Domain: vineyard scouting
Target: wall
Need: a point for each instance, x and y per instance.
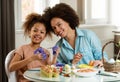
(72, 3)
(104, 32)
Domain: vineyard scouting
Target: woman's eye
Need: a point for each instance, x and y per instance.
(54, 28)
(42, 32)
(59, 25)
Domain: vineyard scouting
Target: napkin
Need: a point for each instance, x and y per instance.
(108, 73)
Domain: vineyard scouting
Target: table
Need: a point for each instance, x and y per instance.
(33, 75)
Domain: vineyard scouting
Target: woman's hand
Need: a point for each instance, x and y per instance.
(76, 58)
(57, 51)
(98, 63)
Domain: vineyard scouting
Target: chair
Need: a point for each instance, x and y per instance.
(11, 75)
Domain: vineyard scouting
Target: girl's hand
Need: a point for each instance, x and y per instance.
(48, 58)
(76, 58)
(36, 57)
(47, 52)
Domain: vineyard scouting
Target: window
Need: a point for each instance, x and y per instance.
(96, 11)
(29, 6)
(25, 7)
(89, 11)
(101, 12)
(115, 13)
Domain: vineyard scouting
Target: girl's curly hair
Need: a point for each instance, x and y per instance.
(30, 20)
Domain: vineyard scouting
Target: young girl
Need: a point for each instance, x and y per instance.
(24, 57)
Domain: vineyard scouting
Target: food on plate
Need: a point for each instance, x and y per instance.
(49, 71)
(84, 66)
(66, 75)
(55, 72)
(86, 70)
(46, 71)
(91, 63)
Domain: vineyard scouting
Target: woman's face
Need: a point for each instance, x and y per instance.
(60, 27)
(37, 33)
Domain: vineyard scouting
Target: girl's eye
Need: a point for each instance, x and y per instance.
(34, 30)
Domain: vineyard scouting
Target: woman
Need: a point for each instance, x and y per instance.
(77, 46)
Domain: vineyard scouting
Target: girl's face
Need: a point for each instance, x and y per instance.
(37, 33)
(60, 27)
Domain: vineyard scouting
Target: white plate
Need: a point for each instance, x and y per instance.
(34, 69)
(34, 75)
(85, 74)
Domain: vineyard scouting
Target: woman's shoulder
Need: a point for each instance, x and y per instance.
(86, 32)
(59, 42)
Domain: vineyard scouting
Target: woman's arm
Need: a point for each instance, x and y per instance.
(77, 58)
(54, 61)
(96, 46)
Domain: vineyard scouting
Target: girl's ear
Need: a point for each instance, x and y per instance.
(29, 34)
(45, 36)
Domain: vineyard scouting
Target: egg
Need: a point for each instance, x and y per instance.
(111, 61)
(67, 68)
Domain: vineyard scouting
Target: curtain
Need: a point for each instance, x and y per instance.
(7, 33)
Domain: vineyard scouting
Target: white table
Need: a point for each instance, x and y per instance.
(34, 75)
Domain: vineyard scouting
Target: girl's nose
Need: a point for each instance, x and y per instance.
(38, 32)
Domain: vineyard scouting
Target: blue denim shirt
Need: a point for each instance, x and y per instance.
(87, 43)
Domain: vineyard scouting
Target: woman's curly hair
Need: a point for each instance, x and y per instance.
(32, 19)
(63, 11)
